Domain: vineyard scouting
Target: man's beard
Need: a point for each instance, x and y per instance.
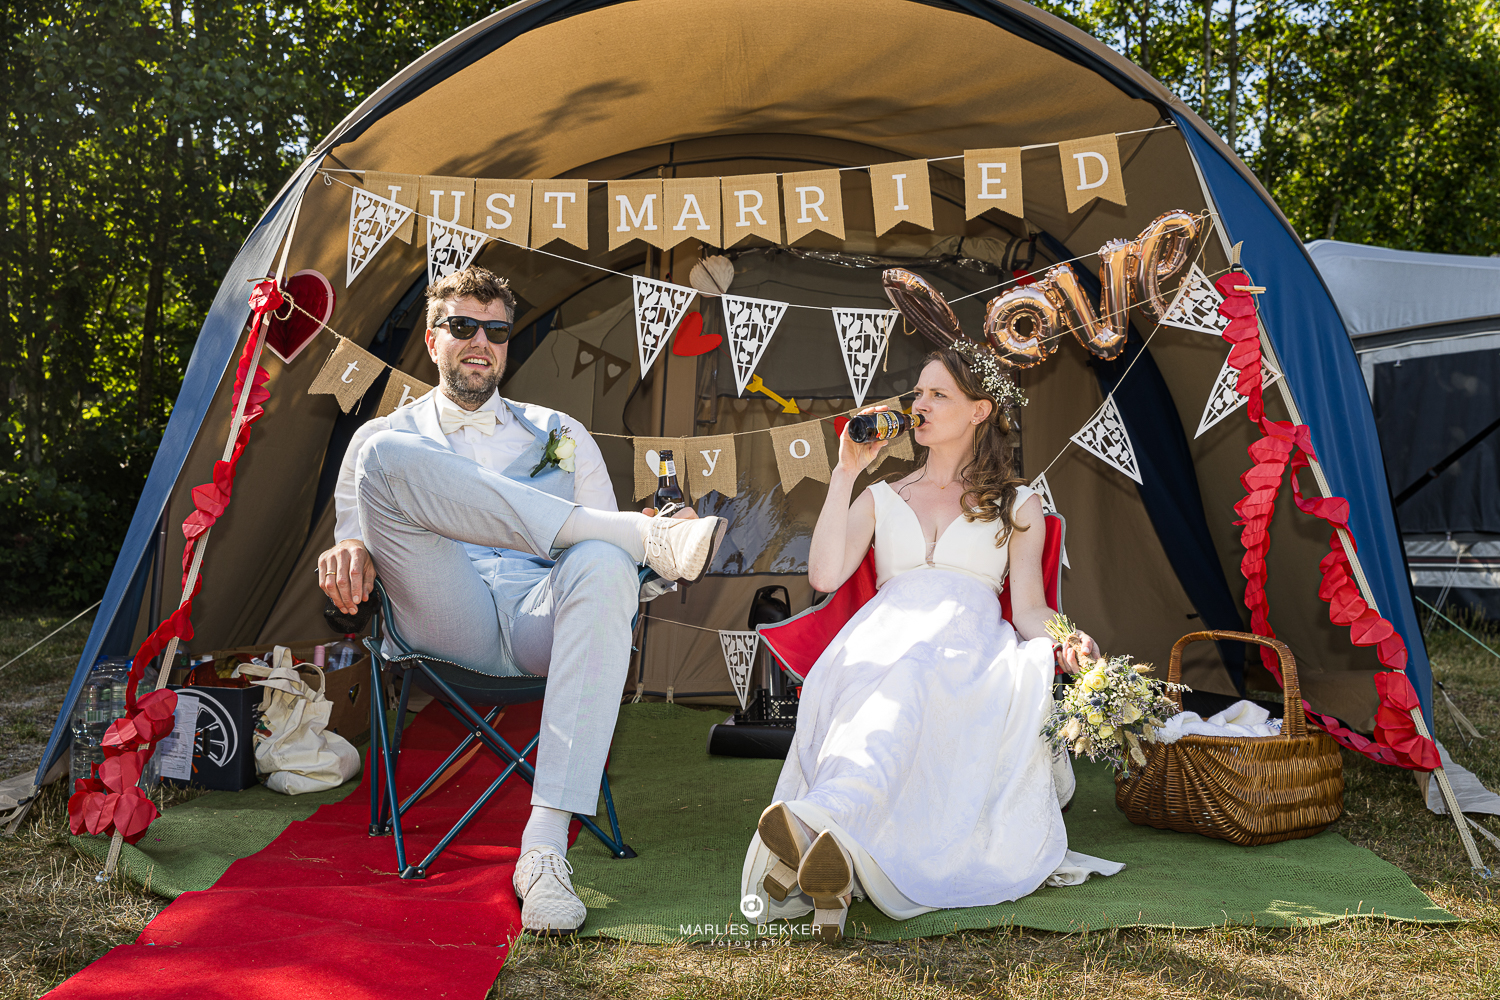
(466, 387)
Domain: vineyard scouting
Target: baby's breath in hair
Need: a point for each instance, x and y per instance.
(986, 365)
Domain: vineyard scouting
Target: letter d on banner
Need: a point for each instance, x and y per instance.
(1091, 169)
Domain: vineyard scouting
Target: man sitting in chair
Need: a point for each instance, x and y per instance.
(451, 498)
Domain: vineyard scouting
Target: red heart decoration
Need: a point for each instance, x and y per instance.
(133, 813)
(287, 337)
(839, 423)
(98, 811)
(690, 341)
(122, 772)
(122, 735)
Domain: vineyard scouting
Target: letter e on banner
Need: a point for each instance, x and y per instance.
(1091, 169)
(992, 179)
(800, 453)
(710, 465)
(560, 211)
(814, 201)
(502, 210)
(690, 210)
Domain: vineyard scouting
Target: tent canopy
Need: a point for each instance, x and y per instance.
(680, 88)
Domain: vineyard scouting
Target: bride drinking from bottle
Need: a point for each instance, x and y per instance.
(918, 775)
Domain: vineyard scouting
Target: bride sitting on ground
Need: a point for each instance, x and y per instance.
(918, 775)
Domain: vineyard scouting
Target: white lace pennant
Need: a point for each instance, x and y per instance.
(450, 248)
(1049, 506)
(1105, 437)
(749, 324)
(373, 220)
(659, 306)
(1225, 398)
(739, 657)
(863, 334)
(1196, 305)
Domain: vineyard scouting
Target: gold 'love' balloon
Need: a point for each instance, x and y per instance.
(921, 305)
(1165, 247)
(1035, 306)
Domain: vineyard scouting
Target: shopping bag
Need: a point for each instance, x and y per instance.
(292, 745)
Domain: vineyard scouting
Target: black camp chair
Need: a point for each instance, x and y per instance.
(458, 689)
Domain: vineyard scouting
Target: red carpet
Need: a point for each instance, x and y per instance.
(321, 913)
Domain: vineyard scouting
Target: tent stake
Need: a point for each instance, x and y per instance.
(1451, 801)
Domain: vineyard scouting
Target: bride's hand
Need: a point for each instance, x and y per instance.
(854, 457)
(1070, 653)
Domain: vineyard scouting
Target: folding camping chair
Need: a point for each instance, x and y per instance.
(798, 642)
(458, 689)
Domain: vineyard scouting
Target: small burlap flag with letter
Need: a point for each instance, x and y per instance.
(800, 453)
(347, 373)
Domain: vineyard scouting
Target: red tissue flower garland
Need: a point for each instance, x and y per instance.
(1287, 445)
(109, 800)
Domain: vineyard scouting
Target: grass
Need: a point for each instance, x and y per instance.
(59, 919)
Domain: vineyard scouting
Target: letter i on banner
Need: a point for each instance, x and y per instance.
(502, 210)
(348, 372)
(690, 210)
(560, 211)
(800, 453)
(635, 212)
(902, 193)
(992, 179)
(709, 465)
(739, 658)
(1091, 169)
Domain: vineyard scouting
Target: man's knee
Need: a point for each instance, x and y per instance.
(598, 565)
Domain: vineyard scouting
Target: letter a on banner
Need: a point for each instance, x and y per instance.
(1104, 437)
(863, 334)
(373, 220)
(750, 323)
(739, 657)
(659, 306)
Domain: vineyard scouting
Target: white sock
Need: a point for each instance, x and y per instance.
(547, 827)
(626, 529)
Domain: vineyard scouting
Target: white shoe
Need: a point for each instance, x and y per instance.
(683, 549)
(548, 903)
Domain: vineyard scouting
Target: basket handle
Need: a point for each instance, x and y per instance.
(1293, 723)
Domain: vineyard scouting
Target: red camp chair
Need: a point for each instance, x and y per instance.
(800, 640)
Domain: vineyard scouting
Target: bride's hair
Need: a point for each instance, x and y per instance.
(990, 478)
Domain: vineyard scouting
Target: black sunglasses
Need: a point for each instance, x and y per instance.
(496, 331)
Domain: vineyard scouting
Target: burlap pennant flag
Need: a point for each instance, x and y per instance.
(401, 189)
(814, 202)
(992, 179)
(800, 453)
(749, 324)
(1091, 169)
(690, 209)
(502, 210)
(863, 334)
(1049, 506)
(560, 211)
(902, 193)
(400, 390)
(659, 306)
(739, 658)
(635, 212)
(348, 372)
(708, 464)
(373, 220)
(1105, 437)
(752, 207)
(648, 463)
(447, 199)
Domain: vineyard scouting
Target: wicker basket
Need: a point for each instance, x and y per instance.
(1247, 790)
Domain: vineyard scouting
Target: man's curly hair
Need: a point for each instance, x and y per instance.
(474, 282)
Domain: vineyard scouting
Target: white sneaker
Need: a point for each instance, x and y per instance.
(548, 903)
(683, 549)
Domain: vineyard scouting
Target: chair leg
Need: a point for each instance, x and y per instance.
(377, 727)
(419, 871)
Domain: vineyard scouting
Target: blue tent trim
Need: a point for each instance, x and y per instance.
(1323, 372)
(112, 633)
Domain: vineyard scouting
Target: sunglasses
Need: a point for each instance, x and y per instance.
(496, 331)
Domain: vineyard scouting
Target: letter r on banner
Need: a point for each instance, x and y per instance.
(814, 201)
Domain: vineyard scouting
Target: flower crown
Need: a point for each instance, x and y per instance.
(986, 364)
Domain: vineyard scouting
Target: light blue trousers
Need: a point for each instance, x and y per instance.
(417, 502)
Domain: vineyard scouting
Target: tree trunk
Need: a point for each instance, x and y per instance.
(1208, 57)
(1234, 71)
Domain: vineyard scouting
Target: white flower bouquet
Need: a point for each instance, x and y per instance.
(1109, 708)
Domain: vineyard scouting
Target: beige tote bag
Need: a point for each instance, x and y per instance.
(292, 745)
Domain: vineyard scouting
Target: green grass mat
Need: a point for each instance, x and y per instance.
(194, 842)
(690, 817)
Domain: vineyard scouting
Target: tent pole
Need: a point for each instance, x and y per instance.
(1451, 801)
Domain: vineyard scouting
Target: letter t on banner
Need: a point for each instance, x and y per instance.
(347, 373)
(560, 211)
(814, 201)
(1091, 169)
(992, 179)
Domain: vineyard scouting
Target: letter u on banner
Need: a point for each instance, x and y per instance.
(800, 453)
(446, 199)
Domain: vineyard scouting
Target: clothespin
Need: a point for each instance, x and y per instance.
(1234, 262)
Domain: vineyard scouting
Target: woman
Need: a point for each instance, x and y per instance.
(918, 771)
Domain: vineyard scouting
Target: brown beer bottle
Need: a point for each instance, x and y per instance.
(668, 493)
(882, 425)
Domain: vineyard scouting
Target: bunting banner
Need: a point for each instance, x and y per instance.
(751, 208)
(992, 179)
(1225, 398)
(450, 248)
(708, 464)
(739, 657)
(502, 209)
(448, 200)
(863, 334)
(749, 324)
(613, 368)
(902, 193)
(1049, 506)
(560, 211)
(402, 189)
(800, 453)
(400, 390)
(814, 202)
(349, 371)
(373, 220)
(1105, 438)
(648, 463)
(635, 212)
(659, 307)
(1091, 169)
(1196, 306)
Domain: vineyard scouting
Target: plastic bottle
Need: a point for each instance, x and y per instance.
(342, 654)
(101, 702)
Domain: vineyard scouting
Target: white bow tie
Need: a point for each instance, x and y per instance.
(451, 419)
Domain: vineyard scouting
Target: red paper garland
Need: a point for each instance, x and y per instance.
(1287, 445)
(110, 802)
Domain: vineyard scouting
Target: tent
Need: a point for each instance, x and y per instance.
(1426, 328)
(684, 88)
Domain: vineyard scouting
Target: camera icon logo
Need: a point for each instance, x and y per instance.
(752, 906)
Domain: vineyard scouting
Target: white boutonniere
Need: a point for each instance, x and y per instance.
(558, 453)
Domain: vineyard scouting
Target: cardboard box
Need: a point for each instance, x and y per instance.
(347, 690)
(223, 752)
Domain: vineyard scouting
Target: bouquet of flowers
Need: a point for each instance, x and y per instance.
(1109, 708)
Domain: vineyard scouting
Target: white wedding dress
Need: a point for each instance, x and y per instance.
(918, 738)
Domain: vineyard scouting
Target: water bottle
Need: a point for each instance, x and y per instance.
(342, 654)
(101, 702)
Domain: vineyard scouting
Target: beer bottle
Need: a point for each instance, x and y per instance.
(882, 425)
(669, 496)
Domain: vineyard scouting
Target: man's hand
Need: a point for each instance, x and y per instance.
(686, 513)
(346, 573)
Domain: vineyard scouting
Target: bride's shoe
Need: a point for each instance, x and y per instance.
(827, 875)
(787, 841)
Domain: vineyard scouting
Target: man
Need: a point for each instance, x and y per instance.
(455, 502)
